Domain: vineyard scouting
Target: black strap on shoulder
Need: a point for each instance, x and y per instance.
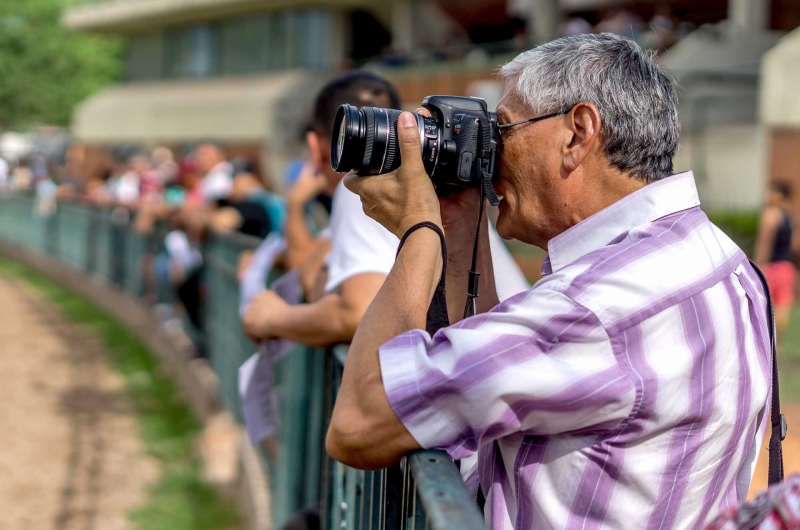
(778, 420)
(437, 311)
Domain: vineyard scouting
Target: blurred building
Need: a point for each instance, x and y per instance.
(243, 72)
(780, 112)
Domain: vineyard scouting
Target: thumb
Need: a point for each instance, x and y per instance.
(408, 139)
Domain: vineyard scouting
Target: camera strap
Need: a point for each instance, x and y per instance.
(437, 317)
(777, 420)
(474, 276)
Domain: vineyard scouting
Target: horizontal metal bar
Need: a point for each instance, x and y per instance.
(447, 503)
(244, 241)
(340, 353)
(219, 264)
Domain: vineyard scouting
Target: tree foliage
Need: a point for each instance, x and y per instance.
(46, 70)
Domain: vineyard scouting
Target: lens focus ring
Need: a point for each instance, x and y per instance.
(369, 114)
(393, 148)
(365, 141)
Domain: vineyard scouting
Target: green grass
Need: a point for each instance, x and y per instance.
(179, 500)
(789, 360)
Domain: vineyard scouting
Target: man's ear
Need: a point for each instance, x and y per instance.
(315, 148)
(584, 121)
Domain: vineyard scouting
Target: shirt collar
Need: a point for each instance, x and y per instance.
(654, 201)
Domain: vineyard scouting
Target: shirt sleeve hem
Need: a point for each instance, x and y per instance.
(396, 374)
(335, 282)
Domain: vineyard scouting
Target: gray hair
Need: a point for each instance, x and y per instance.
(638, 102)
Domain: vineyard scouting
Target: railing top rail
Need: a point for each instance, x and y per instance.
(447, 503)
(242, 240)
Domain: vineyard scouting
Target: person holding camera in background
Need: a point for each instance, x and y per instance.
(628, 387)
(362, 251)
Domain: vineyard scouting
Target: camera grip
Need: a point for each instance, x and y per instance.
(467, 149)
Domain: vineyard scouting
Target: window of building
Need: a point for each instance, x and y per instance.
(313, 39)
(236, 46)
(145, 58)
(191, 51)
(244, 45)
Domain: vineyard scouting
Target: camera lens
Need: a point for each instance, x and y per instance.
(340, 142)
(349, 137)
(365, 141)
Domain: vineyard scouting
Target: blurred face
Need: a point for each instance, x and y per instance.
(773, 198)
(530, 179)
(776, 198)
(243, 185)
(207, 157)
(139, 164)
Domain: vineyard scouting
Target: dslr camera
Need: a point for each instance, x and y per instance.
(459, 142)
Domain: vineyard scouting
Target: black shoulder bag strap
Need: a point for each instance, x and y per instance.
(778, 420)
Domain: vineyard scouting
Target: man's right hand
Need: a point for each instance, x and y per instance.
(402, 198)
(308, 185)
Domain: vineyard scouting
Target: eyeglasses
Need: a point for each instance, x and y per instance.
(505, 126)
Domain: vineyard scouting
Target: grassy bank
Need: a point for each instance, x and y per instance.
(789, 360)
(178, 500)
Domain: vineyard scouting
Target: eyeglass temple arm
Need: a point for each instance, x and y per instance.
(529, 120)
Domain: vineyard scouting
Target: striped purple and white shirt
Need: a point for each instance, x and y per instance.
(626, 389)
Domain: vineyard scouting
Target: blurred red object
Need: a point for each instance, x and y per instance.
(776, 508)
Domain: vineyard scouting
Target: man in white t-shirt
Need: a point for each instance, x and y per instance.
(218, 180)
(362, 251)
(362, 246)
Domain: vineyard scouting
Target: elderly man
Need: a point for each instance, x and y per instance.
(627, 388)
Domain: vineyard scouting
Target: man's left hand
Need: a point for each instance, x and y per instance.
(259, 319)
(405, 197)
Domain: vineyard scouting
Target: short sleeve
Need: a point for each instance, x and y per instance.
(359, 244)
(538, 363)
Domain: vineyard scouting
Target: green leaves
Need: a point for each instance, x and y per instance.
(46, 70)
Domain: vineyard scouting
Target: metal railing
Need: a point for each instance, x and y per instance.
(423, 491)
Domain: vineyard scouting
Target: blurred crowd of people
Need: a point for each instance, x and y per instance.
(179, 201)
(657, 32)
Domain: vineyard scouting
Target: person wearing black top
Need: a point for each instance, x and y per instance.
(774, 251)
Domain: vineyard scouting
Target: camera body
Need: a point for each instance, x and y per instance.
(462, 146)
(459, 141)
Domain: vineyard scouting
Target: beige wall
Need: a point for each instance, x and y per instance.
(270, 111)
(727, 162)
(780, 84)
(132, 16)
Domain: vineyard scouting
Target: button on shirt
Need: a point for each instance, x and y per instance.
(626, 389)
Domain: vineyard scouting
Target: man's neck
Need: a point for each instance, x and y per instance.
(603, 190)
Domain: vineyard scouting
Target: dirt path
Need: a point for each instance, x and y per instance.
(791, 450)
(70, 453)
